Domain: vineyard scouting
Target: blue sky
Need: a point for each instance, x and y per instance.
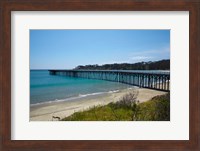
(66, 49)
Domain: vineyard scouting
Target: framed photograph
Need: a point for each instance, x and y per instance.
(100, 75)
(99, 86)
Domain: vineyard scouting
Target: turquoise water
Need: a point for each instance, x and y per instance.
(47, 88)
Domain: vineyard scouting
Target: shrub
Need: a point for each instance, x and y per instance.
(130, 101)
(157, 109)
(162, 108)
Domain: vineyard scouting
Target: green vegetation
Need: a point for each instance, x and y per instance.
(127, 109)
(156, 65)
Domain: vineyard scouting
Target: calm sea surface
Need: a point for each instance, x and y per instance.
(46, 88)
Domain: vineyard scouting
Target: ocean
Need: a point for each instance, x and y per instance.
(49, 88)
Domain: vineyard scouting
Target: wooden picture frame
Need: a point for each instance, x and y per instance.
(193, 6)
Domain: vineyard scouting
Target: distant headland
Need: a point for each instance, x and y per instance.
(150, 65)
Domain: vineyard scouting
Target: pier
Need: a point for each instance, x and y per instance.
(152, 80)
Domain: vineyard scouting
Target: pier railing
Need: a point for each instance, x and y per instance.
(151, 80)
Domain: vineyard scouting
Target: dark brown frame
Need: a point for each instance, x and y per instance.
(193, 6)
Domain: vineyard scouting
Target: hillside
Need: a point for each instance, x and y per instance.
(151, 65)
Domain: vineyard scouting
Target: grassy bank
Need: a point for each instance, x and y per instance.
(127, 109)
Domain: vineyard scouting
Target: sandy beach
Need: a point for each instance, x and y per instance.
(44, 112)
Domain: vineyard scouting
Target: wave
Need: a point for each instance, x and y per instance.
(75, 97)
(91, 94)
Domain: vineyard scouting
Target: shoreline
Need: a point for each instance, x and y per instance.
(45, 111)
(74, 98)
